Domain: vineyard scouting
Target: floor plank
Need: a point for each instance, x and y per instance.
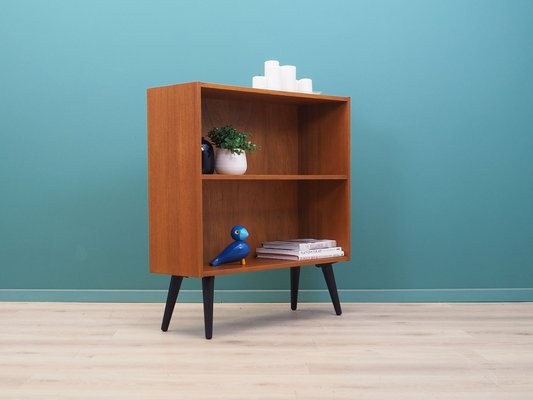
(266, 351)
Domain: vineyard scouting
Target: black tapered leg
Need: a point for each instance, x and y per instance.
(172, 296)
(208, 288)
(327, 270)
(295, 279)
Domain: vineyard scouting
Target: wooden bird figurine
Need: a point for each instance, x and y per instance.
(235, 251)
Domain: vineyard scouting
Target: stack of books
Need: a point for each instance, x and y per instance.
(299, 249)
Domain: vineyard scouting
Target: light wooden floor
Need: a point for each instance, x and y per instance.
(265, 351)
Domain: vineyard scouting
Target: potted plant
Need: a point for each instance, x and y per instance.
(232, 147)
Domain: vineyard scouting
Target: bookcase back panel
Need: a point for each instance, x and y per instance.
(268, 210)
(274, 127)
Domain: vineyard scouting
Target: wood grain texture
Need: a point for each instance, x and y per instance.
(324, 144)
(174, 179)
(74, 351)
(298, 185)
(324, 207)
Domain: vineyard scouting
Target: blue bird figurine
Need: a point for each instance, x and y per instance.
(235, 251)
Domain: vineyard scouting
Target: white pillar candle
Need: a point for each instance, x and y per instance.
(272, 74)
(259, 82)
(288, 77)
(305, 85)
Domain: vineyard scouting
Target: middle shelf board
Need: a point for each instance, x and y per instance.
(272, 177)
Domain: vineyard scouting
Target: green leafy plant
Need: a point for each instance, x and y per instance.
(229, 138)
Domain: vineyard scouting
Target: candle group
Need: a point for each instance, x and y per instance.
(281, 77)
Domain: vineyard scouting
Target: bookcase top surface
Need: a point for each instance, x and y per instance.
(214, 90)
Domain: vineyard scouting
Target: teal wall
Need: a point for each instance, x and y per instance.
(442, 124)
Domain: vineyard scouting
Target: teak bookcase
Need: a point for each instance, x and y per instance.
(298, 185)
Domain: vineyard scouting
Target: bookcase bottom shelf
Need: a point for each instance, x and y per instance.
(261, 264)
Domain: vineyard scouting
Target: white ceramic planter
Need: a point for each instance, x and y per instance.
(228, 163)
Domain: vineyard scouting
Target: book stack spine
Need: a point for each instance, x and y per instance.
(300, 249)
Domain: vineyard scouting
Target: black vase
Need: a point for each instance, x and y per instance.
(208, 157)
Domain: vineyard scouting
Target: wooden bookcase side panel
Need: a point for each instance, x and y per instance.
(324, 206)
(174, 180)
(324, 138)
(274, 127)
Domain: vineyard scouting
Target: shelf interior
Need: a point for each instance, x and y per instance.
(296, 186)
(274, 210)
(298, 139)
